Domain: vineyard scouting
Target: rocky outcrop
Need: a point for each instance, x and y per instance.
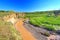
(10, 18)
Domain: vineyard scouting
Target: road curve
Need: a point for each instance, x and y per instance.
(26, 35)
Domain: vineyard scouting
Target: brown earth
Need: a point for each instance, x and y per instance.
(26, 35)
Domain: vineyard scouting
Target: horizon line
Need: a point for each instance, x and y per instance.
(29, 11)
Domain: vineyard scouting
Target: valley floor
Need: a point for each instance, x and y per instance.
(29, 32)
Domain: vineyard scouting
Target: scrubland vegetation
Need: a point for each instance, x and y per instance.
(51, 23)
(7, 30)
(46, 19)
(49, 20)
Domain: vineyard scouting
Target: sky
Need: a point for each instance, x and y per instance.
(29, 5)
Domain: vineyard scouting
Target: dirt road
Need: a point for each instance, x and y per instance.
(26, 35)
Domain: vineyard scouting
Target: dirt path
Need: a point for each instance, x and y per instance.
(36, 31)
(26, 35)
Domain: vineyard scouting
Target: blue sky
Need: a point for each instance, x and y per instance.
(29, 5)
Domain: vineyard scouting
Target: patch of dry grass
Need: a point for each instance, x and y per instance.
(8, 32)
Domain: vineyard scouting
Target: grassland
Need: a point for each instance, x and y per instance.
(49, 19)
(46, 19)
(51, 23)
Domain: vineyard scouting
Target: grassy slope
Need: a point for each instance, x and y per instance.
(51, 23)
(7, 30)
(48, 19)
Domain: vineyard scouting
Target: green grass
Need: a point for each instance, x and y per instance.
(4, 14)
(51, 23)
